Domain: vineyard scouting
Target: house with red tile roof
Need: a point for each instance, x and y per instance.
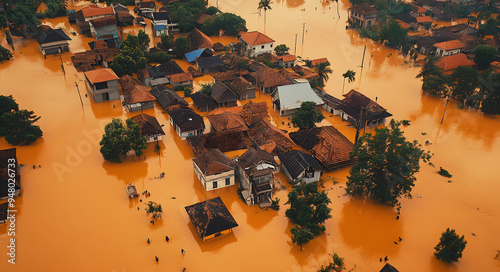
(449, 63)
(255, 43)
(150, 128)
(448, 48)
(136, 96)
(93, 12)
(214, 169)
(287, 61)
(102, 84)
(314, 62)
(423, 22)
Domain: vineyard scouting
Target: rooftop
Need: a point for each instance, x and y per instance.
(148, 124)
(450, 63)
(254, 38)
(297, 162)
(424, 19)
(213, 162)
(365, 8)
(449, 45)
(45, 34)
(134, 91)
(225, 141)
(101, 75)
(199, 40)
(93, 10)
(291, 96)
(269, 138)
(226, 121)
(210, 217)
(186, 119)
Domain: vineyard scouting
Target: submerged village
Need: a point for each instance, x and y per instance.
(285, 135)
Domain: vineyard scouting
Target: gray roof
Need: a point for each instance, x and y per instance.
(291, 96)
(210, 62)
(297, 162)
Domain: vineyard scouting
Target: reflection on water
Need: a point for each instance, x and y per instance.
(76, 202)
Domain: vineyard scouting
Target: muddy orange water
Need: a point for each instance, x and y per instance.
(74, 215)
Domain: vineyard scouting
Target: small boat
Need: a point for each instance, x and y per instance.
(131, 191)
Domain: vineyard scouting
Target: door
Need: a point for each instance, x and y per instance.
(105, 96)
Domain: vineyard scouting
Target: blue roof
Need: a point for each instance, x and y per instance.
(191, 56)
(160, 27)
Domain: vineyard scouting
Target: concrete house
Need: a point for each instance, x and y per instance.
(186, 122)
(214, 169)
(8, 167)
(288, 98)
(211, 219)
(181, 79)
(267, 80)
(105, 29)
(102, 84)
(203, 102)
(363, 14)
(255, 170)
(160, 24)
(159, 74)
(136, 96)
(300, 166)
(150, 128)
(355, 104)
(448, 48)
(449, 63)
(255, 43)
(52, 41)
(167, 97)
(287, 61)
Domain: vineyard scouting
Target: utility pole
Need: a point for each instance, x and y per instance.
(295, 49)
(363, 60)
(445, 106)
(79, 95)
(358, 125)
(303, 32)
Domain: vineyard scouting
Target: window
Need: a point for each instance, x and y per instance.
(101, 85)
(271, 45)
(214, 185)
(262, 47)
(254, 49)
(228, 181)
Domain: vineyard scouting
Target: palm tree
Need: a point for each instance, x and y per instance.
(323, 69)
(265, 5)
(337, 7)
(350, 75)
(429, 68)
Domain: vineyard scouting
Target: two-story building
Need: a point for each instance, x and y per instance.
(102, 84)
(52, 41)
(160, 24)
(300, 167)
(363, 14)
(214, 169)
(448, 48)
(255, 43)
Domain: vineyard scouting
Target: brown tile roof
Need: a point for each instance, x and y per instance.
(87, 57)
(202, 17)
(327, 144)
(269, 78)
(288, 74)
(288, 58)
(181, 77)
(110, 20)
(418, 9)
(225, 141)
(194, 72)
(150, 4)
(225, 76)
(314, 62)
(218, 47)
(100, 75)
(148, 124)
(227, 121)
(255, 38)
(213, 162)
(124, 17)
(424, 19)
(253, 112)
(269, 57)
(222, 94)
(450, 63)
(269, 138)
(93, 10)
(240, 86)
(199, 40)
(134, 91)
(210, 217)
(449, 45)
(203, 102)
(233, 61)
(253, 157)
(357, 101)
(365, 8)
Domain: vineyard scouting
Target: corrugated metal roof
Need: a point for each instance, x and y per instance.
(291, 96)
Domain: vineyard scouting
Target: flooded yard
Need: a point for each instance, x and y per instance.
(74, 214)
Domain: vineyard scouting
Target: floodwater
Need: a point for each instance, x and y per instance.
(74, 214)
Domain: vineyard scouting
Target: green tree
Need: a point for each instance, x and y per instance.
(393, 35)
(143, 41)
(231, 24)
(386, 165)
(5, 54)
(307, 116)
(337, 264)
(182, 46)
(265, 5)
(488, 28)
(167, 40)
(436, 85)
(119, 138)
(155, 209)
(123, 65)
(207, 88)
(301, 236)
(212, 11)
(450, 246)
(308, 211)
(281, 49)
(430, 68)
(350, 75)
(484, 55)
(463, 82)
(323, 69)
(8, 104)
(17, 127)
(184, 18)
(132, 56)
(160, 57)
